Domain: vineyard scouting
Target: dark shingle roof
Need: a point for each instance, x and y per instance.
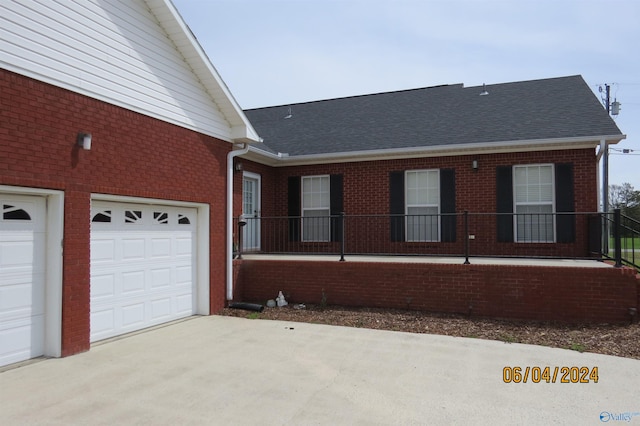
(552, 108)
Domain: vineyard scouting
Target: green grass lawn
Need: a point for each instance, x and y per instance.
(628, 244)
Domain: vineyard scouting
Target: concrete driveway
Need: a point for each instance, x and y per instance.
(232, 371)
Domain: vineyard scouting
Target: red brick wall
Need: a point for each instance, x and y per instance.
(131, 155)
(366, 192)
(563, 294)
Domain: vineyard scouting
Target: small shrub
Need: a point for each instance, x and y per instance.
(507, 338)
(578, 347)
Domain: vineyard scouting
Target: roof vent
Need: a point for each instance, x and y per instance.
(289, 115)
(484, 90)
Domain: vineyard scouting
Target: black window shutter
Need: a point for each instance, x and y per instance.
(396, 205)
(294, 207)
(448, 205)
(504, 203)
(565, 224)
(337, 206)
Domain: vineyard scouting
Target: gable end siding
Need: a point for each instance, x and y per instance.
(120, 55)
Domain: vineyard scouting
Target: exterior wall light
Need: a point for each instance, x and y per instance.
(84, 141)
(239, 167)
(474, 165)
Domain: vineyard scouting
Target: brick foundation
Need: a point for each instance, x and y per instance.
(564, 294)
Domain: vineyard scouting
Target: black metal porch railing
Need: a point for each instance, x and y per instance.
(623, 239)
(464, 234)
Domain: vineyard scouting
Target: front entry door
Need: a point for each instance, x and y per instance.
(251, 212)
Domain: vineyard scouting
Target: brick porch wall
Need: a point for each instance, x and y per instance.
(570, 295)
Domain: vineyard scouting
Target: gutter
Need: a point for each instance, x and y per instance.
(282, 160)
(230, 156)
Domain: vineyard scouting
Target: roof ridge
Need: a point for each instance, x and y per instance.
(440, 86)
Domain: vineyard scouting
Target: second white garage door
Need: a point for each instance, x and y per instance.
(142, 266)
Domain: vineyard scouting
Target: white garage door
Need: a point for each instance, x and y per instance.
(22, 277)
(142, 266)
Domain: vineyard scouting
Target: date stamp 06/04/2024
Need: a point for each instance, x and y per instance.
(550, 374)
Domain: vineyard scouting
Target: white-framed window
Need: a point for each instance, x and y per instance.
(534, 203)
(422, 205)
(316, 209)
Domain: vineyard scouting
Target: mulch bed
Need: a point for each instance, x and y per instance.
(607, 339)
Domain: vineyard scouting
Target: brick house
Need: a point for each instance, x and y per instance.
(423, 155)
(114, 142)
(522, 158)
(124, 159)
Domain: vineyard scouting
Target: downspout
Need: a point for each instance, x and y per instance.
(599, 155)
(230, 156)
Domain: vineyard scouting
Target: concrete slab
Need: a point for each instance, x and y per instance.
(222, 370)
(567, 263)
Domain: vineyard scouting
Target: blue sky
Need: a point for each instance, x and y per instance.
(277, 52)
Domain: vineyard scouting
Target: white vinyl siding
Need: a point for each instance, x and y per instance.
(117, 52)
(315, 208)
(533, 187)
(423, 205)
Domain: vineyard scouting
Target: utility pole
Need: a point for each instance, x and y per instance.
(605, 158)
(612, 109)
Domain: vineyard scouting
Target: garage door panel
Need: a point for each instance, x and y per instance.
(152, 266)
(22, 278)
(184, 246)
(184, 303)
(161, 308)
(102, 321)
(21, 339)
(18, 299)
(133, 282)
(133, 249)
(133, 315)
(17, 254)
(184, 275)
(103, 286)
(160, 248)
(160, 278)
(103, 250)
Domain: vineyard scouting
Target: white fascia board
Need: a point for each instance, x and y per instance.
(186, 42)
(282, 159)
(244, 134)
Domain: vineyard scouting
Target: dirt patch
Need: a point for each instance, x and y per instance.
(617, 340)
